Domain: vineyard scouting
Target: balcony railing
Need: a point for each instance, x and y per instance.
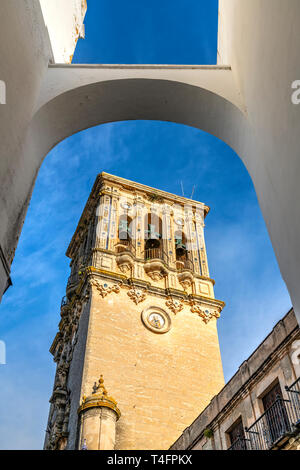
(156, 253)
(294, 397)
(241, 443)
(274, 424)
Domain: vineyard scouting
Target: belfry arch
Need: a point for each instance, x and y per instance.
(245, 101)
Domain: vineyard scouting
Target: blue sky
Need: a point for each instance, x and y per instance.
(240, 255)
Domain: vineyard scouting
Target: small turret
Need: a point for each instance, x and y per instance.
(98, 415)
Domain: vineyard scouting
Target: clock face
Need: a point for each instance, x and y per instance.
(156, 320)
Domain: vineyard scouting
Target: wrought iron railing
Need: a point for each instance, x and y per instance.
(241, 443)
(156, 253)
(273, 425)
(293, 392)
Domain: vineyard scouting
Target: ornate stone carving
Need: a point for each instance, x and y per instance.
(137, 295)
(57, 428)
(155, 269)
(205, 313)
(186, 279)
(175, 305)
(99, 398)
(66, 416)
(104, 289)
(61, 377)
(186, 284)
(124, 261)
(154, 197)
(124, 268)
(155, 276)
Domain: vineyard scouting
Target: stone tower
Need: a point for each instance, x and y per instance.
(139, 309)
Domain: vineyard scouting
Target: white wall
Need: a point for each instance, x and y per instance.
(25, 52)
(258, 38)
(64, 22)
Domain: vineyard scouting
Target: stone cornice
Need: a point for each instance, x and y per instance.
(163, 292)
(128, 184)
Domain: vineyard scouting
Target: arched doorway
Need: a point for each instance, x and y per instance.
(153, 245)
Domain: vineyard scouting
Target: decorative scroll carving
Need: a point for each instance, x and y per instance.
(205, 313)
(156, 276)
(186, 278)
(104, 289)
(137, 295)
(175, 305)
(124, 261)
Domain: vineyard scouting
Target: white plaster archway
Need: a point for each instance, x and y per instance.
(247, 104)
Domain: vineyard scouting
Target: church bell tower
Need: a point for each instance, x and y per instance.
(140, 310)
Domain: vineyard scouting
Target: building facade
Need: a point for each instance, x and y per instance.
(139, 309)
(259, 408)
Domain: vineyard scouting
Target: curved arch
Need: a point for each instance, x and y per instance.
(120, 100)
(77, 108)
(267, 138)
(137, 99)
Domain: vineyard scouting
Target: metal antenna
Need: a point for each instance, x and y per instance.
(194, 187)
(181, 183)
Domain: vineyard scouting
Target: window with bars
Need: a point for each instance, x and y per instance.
(236, 432)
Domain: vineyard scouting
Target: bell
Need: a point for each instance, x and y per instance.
(123, 235)
(180, 249)
(153, 243)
